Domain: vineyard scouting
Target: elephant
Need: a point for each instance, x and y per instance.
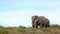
(41, 21)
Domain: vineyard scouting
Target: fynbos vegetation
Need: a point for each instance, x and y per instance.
(53, 29)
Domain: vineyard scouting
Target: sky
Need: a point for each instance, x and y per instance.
(19, 12)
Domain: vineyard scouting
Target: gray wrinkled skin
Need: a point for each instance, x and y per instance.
(41, 21)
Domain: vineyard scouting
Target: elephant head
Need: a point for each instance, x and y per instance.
(33, 19)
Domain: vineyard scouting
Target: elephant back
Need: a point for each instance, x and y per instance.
(44, 19)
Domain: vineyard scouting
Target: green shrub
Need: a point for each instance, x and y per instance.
(55, 26)
(10, 28)
(3, 31)
(22, 29)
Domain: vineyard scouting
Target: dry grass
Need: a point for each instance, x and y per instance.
(24, 30)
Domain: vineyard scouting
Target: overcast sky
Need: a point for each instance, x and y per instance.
(19, 12)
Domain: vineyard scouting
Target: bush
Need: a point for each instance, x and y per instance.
(1, 26)
(22, 29)
(55, 26)
(10, 28)
(3, 31)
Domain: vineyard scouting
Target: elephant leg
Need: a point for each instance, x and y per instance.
(48, 25)
(41, 25)
(33, 24)
(45, 24)
(36, 26)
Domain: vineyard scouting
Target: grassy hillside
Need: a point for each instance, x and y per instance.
(54, 29)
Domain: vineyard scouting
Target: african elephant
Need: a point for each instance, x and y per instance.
(40, 21)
